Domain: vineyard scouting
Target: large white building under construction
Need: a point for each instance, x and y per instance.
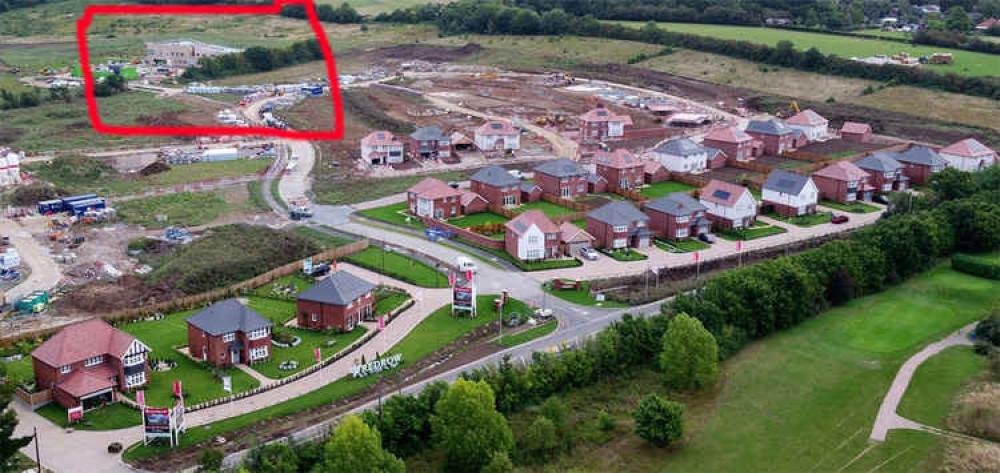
(183, 53)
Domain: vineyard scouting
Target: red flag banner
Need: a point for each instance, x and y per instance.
(739, 245)
(468, 275)
(451, 279)
(140, 397)
(177, 387)
(316, 352)
(381, 323)
(697, 256)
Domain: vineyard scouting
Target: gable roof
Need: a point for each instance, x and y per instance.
(495, 176)
(807, 117)
(227, 316)
(729, 135)
(88, 380)
(466, 197)
(855, 127)
(496, 127)
(428, 133)
(523, 222)
(83, 340)
(572, 233)
(618, 159)
(879, 162)
(680, 147)
(921, 155)
(618, 212)
(786, 182)
(603, 114)
(380, 138)
(969, 148)
(722, 193)
(842, 171)
(653, 166)
(341, 288)
(769, 127)
(529, 187)
(676, 203)
(431, 188)
(561, 167)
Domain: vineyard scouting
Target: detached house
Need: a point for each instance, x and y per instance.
(728, 205)
(340, 302)
(968, 155)
(430, 142)
(654, 171)
(789, 193)
(381, 147)
(682, 155)
(496, 135)
(810, 123)
(88, 362)
(562, 177)
(885, 174)
(621, 169)
(736, 143)
(677, 216)
(919, 163)
(497, 186)
(857, 132)
(434, 199)
(775, 136)
(619, 225)
(843, 182)
(531, 236)
(530, 192)
(573, 238)
(601, 124)
(229, 333)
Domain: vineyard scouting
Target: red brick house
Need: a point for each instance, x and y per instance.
(885, 174)
(429, 142)
(621, 169)
(654, 172)
(842, 182)
(341, 301)
(497, 186)
(602, 124)
(857, 132)
(229, 333)
(920, 163)
(531, 236)
(435, 199)
(573, 239)
(677, 216)
(619, 225)
(530, 192)
(471, 202)
(381, 147)
(775, 136)
(562, 178)
(728, 205)
(733, 141)
(88, 363)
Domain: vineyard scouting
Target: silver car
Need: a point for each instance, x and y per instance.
(588, 254)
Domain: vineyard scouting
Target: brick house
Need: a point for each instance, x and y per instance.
(381, 147)
(654, 171)
(774, 135)
(885, 174)
(531, 236)
(601, 124)
(621, 169)
(677, 216)
(530, 192)
(736, 143)
(471, 202)
(562, 178)
(341, 301)
(682, 155)
(229, 333)
(430, 142)
(618, 225)
(572, 239)
(810, 123)
(596, 184)
(843, 182)
(497, 186)
(920, 163)
(433, 198)
(87, 363)
(968, 155)
(790, 194)
(728, 205)
(856, 132)
(497, 135)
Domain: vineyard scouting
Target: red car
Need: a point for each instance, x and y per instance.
(838, 219)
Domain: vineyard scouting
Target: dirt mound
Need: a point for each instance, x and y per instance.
(155, 168)
(426, 52)
(105, 296)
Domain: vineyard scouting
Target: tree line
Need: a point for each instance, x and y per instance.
(254, 59)
(957, 41)
(110, 85)
(327, 13)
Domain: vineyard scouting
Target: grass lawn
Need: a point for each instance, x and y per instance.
(481, 218)
(792, 164)
(354, 191)
(187, 208)
(811, 220)
(758, 230)
(257, 196)
(682, 246)
(399, 266)
(393, 214)
(547, 208)
(625, 254)
(111, 417)
(937, 382)
(18, 371)
(323, 239)
(528, 335)
(854, 207)
(277, 289)
(582, 297)
(328, 343)
(527, 265)
(663, 188)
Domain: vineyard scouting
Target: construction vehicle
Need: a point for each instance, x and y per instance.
(794, 106)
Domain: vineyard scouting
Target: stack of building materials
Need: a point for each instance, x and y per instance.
(10, 166)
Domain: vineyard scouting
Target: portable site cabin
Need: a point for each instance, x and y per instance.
(220, 154)
(33, 303)
(80, 207)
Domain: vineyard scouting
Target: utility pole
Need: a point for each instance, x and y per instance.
(38, 456)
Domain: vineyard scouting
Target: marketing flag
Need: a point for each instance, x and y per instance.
(227, 384)
(140, 397)
(697, 256)
(468, 275)
(177, 387)
(381, 323)
(317, 354)
(739, 245)
(451, 279)
(333, 265)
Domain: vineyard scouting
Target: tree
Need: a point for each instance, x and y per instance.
(541, 440)
(499, 463)
(690, 356)
(554, 410)
(275, 458)
(841, 288)
(659, 421)
(467, 426)
(951, 183)
(357, 448)
(9, 445)
(957, 20)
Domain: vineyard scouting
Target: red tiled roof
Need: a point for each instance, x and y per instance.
(843, 171)
(618, 159)
(729, 135)
(807, 117)
(969, 148)
(570, 233)
(523, 222)
(380, 138)
(602, 114)
(652, 166)
(433, 189)
(722, 193)
(496, 127)
(459, 139)
(88, 380)
(84, 340)
(987, 23)
(467, 197)
(855, 127)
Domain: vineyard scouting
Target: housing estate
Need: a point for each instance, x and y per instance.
(810, 123)
(734, 142)
(497, 186)
(620, 169)
(919, 163)
(341, 301)
(843, 182)
(682, 155)
(968, 155)
(775, 136)
(497, 135)
(562, 177)
(677, 216)
(229, 333)
(728, 205)
(433, 198)
(430, 142)
(789, 194)
(88, 363)
(602, 124)
(617, 225)
(885, 174)
(531, 236)
(381, 147)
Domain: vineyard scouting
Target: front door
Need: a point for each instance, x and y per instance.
(236, 357)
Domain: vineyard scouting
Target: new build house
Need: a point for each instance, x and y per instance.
(87, 363)
(619, 225)
(430, 142)
(677, 216)
(810, 123)
(843, 182)
(497, 135)
(621, 169)
(736, 143)
(573, 238)
(602, 124)
(682, 155)
(562, 178)
(968, 155)
(728, 205)
(381, 147)
(790, 194)
(531, 236)
(435, 199)
(497, 186)
(775, 136)
(885, 174)
(920, 163)
(341, 301)
(856, 132)
(229, 333)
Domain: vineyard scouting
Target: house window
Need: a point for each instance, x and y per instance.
(619, 243)
(564, 192)
(509, 200)
(682, 233)
(620, 228)
(550, 236)
(134, 359)
(533, 240)
(229, 337)
(65, 369)
(94, 360)
(135, 379)
(258, 353)
(682, 219)
(579, 189)
(258, 334)
(534, 254)
(314, 317)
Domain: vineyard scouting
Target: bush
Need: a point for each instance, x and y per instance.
(211, 459)
(541, 440)
(554, 410)
(659, 421)
(499, 463)
(114, 447)
(975, 265)
(690, 356)
(988, 329)
(605, 421)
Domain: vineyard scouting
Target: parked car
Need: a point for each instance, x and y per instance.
(517, 174)
(880, 199)
(466, 264)
(707, 238)
(588, 254)
(838, 219)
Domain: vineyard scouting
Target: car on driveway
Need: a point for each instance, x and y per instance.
(707, 238)
(881, 199)
(838, 219)
(588, 254)
(517, 174)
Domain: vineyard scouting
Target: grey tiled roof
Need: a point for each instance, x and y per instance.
(495, 176)
(228, 316)
(428, 133)
(785, 182)
(921, 155)
(680, 147)
(676, 203)
(341, 288)
(561, 168)
(769, 127)
(618, 212)
(878, 162)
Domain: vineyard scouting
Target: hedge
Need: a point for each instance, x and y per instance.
(975, 265)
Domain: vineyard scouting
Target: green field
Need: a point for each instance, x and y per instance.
(663, 188)
(393, 214)
(528, 335)
(966, 62)
(186, 208)
(937, 382)
(352, 192)
(757, 230)
(399, 266)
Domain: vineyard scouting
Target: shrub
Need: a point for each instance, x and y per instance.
(211, 459)
(605, 421)
(659, 421)
(690, 356)
(499, 463)
(114, 447)
(975, 265)
(541, 440)
(988, 329)
(554, 410)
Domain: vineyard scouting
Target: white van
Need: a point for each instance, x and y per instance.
(466, 264)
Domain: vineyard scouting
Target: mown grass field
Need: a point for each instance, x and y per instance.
(661, 189)
(111, 417)
(937, 382)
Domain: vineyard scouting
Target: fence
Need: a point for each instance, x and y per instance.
(648, 133)
(560, 219)
(474, 237)
(190, 302)
(750, 166)
(689, 179)
(632, 195)
(569, 204)
(34, 400)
